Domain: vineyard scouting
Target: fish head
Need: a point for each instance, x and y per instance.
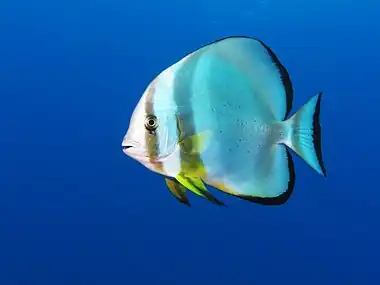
(152, 133)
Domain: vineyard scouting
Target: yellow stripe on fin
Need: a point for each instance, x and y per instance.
(196, 143)
(192, 144)
(197, 186)
(178, 190)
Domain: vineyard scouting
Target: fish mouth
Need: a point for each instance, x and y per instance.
(134, 150)
(125, 147)
(131, 148)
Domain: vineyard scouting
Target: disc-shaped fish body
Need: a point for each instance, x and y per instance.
(219, 116)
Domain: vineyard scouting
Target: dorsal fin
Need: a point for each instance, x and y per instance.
(260, 62)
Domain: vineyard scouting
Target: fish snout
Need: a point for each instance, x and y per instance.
(131, 147)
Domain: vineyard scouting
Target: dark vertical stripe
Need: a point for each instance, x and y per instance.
(317, 135)
(182, 98)
(152, 139)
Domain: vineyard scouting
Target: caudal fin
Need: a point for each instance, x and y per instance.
(305, 134)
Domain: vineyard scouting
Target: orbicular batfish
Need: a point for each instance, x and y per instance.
(220, 117)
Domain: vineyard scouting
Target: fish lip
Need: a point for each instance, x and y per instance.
(130, 143)
(131, 148)
(124, 147)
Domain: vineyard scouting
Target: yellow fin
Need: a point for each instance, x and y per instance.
(197, 186)
(178, 190)
(192, 144)
(196, 143)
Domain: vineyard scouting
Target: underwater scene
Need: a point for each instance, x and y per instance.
(189, 142)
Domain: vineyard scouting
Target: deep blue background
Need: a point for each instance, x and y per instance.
(75, 210)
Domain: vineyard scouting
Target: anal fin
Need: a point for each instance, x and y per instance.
(269, 180)
(286, 193)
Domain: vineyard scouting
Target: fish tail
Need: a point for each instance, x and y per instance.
(304, 134)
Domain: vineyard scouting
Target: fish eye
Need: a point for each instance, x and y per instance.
(151, 123)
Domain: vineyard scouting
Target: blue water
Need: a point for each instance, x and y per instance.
(75, 210)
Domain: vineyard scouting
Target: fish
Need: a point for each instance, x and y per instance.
(220, 116)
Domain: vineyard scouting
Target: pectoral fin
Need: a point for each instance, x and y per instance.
(197, 186)
(192, 144)
(195, 144)
(178, 190)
